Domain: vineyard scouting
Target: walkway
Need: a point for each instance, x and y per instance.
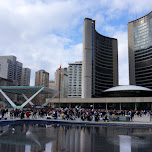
(137, 121)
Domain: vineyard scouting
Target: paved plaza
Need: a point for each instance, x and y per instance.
(144, 120)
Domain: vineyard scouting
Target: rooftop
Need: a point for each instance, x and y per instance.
(127, 88)
(26, 89)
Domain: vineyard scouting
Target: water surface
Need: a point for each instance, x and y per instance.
(56, 138)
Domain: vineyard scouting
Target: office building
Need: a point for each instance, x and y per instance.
(61, 82)
(52, 84)
(26, 73)
(100, 61)
(74, 79)
(41, 79)
(10, 68)
(140, 51)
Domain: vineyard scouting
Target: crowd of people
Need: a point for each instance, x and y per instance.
(70, 113)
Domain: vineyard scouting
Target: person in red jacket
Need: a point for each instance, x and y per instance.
(28, 114)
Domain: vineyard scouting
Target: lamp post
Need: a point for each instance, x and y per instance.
(59, 85)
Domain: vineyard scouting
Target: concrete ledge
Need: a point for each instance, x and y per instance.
(68, 122)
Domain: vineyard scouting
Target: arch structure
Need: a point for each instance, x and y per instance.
(22, 90)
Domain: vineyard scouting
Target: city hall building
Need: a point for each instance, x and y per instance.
(100, 88)
(100, 61)
(125, 97)
(140, 51)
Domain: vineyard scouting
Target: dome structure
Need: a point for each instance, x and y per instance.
(127, 88)
(127, 91)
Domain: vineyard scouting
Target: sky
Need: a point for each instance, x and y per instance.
(44, 34)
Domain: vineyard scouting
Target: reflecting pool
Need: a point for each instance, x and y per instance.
(62, 138)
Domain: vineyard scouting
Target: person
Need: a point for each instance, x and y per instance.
(55, 115)
(48, 116)
(89, 117)
(96, 116)
(22, 115)
(3, 112)
(106, 118)
(83, 117)
(28, 114)
(132, 115)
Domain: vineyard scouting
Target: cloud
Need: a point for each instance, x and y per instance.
(122, 56)
(43, 34)
(131, 6)
(36, 33)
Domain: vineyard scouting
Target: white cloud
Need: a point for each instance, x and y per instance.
(122, 56)
(132, 6)
(46, 33)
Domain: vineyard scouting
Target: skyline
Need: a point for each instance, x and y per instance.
(43, 34)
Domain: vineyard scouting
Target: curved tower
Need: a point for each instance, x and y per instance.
(100, 61)
(140, 51)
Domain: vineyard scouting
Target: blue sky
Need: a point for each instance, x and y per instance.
(43, 34)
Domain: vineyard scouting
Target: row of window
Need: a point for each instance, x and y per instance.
(143, 51)
(144, 75)
(147, 36)
(103, 66)
(103, 38)
(143, 28)
(149, 22)
(143, 46)
(104, 56)
(143, 70)
(141, 40)
(143, 57)
(142, 21)
(103, 63)
(138, 42)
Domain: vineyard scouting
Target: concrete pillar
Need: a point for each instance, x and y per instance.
(93, 106)
(69, 105)
(120, 106)
(87, 59)
(135, 106)
(106, 106)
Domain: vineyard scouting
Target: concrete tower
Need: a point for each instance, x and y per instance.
(140, 51)
(100, 61)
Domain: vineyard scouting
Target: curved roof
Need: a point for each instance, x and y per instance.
(127, 87)
(26, 89)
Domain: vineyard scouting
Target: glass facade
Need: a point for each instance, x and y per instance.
(142, 42)
(142, 29)
(103, 65)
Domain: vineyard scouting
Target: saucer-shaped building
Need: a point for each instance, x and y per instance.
(127, 91)
(123, 97)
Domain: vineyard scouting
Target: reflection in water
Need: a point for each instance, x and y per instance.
(28, 138)
(125, 143)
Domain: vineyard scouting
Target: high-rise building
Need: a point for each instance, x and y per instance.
(52, 84)
(140, 51)
(26, 73)
(61, 82)
(74, 79)
(10, 68)
(100, 61)
(42, 78)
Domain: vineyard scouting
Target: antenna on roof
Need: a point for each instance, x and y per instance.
(136, 12)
